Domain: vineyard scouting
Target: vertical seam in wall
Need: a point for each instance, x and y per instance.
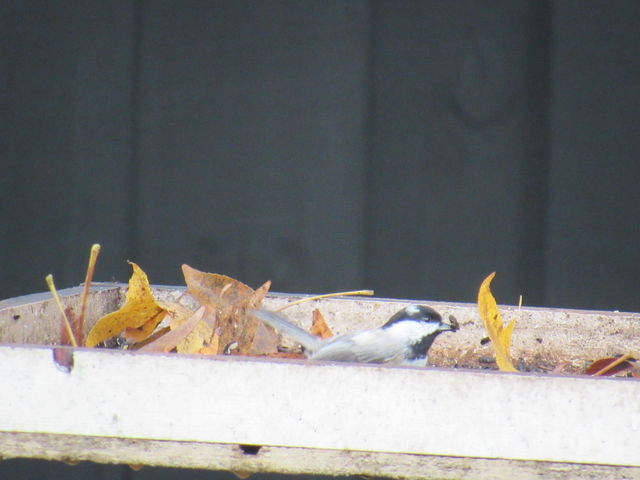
(134, 150)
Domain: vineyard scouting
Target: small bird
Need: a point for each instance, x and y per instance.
(404, 340)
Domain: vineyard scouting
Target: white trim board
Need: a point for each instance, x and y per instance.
(323, 406)
(335, 419)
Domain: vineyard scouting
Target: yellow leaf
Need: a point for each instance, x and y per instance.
(172, 310)
(144, 330)
(140, 309)
(197, 338)
(500, 335)
(212, 347)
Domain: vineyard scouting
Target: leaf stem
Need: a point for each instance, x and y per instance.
(67, 324)
(93, 257)
(326, 295)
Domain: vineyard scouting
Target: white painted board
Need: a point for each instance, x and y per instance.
(325, 406)
(428, 419)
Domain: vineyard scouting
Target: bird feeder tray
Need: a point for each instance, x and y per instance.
(245, 414)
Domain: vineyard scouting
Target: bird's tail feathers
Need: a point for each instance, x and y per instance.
(282, 325)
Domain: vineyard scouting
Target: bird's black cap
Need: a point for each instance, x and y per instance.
(417, 313)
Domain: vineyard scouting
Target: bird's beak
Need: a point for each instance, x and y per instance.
(452, 326)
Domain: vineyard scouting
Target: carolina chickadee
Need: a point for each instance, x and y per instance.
(404, 340)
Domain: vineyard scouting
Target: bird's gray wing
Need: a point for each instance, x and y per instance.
(369, 346)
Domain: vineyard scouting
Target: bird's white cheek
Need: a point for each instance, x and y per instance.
(410, 332)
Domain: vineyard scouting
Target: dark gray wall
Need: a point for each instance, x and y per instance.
(227, 135)
(411, 147)
(458, 161)
(592, 256)
(250, 146)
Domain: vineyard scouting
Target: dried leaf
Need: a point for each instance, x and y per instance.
(177, 313)
(258, 295)
(263, 342)
(172, 310)
(210, 350)
(500, 336)
(230, 300)
(151, 338)
(144, 331)
(219, 293)
(212, 347)
(140, 308)
(222, 295)
(170, 340)
(257, 338)
(201, 334)
(319, 326)
(610, 366)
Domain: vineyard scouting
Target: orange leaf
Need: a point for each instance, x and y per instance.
(256, 338)
(219, 293)
(140, 307)
(230, 300)
(264, 341)
(500, 336)
(319, 327)
(258, 295)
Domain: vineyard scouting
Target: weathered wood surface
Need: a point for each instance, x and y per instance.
(295, 461)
